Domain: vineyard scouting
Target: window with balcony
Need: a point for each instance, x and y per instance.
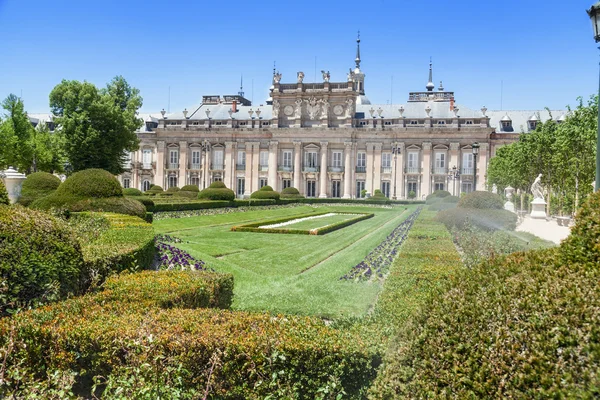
(412, 162)
(361, 162)
(173, 159)
(386, 160)
(336, 159)
(440, 163)
(311, 160)
(147, 159)
(264, 160)
(241, 160)
(217, 160)
(467, 164)
(287, 159)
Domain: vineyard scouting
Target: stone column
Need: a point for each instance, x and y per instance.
(454, 162)
(135, 170)
(160, 164)
(482, 161)
(255, 165)
(426, 176)
(298, 167)
(370, 162)
(273, 165)
(398, 171)
(229, 178)
(183, 150)
(323, 175)
(205, 168)
(347, 170)
(248, 177)
(377, 166)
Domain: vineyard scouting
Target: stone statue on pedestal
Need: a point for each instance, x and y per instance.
(538, 205)
(536, 188)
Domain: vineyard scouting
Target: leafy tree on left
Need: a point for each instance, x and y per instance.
(98, 124)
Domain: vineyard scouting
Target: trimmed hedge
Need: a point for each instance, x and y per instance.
(36, 186)
(438, 194)
(196, 205)
(120, 205)
(147, 202)
(132, 192)
(217, 191)
(291, 193)
(3, 194)
(40, 258)
(123, 335)
(154, 189)
(265, 192)
(187, 195)
(253, 202)
(190, 188)
(173, 189)
(96, 183)
(490, 220)
(254, 227)
(482, 200)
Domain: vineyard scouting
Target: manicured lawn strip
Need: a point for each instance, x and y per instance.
(318, 226)
(320, 222)
(296, 274)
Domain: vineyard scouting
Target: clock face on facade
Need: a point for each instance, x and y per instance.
(338, 110)
(288, 110)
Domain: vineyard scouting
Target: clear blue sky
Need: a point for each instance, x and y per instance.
(542, 51)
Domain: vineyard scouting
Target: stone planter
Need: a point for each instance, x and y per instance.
(13, 181)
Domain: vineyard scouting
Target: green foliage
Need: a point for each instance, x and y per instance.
(378, 196)
(47, 148)
(187, 195)
(132, 192)
(583, 245)
(190, 188)
(147, 202)
(98, 125)
(321, 230)
(438, 194)
(217, 191)
(195, 205)
(253, 202)
(412, 194)
(291, 193)
(173, 189)
(3, 194)
(482, 201)
(265, 192)
(40, 258)
(486, 219)
(120, 205)
(96, 183)
(36, 186)
(15, 135)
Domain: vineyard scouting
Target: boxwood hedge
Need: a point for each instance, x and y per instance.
(3, 194)
(265, 192)
(482, 200)
(121, 205)
(132, 192)
(96, 183)
(291, 193)
(217, 191)
(490, 220)
(37, 185)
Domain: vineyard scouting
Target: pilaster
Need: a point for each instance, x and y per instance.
(377, 166)
(323, 175)
(426, 177)
(159, 178)
(273, 148)
(248, 176)
(298, 166)
(255, 165)
(183, 150)
(347, 170)
(229, 178)
(370, 165)
(482, 164)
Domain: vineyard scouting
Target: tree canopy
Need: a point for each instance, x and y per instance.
(98, 125)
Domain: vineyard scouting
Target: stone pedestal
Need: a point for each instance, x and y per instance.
(13, 181)
(509, 206)
(538, 210)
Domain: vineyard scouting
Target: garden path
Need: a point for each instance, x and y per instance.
(548, 230)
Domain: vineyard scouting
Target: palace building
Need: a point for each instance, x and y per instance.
(327, 140)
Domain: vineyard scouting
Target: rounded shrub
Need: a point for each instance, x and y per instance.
(3, 194)
(190, 188)
(583, 245)
(217, 191)
(93, 182)
(40, 258)
(265, 192)
(378, 196)
(438, 194)
(291, 193)
(132, 192)
(119, 205)
(451, 199)
(173, 189)
(489, 220)
(482, 200)
(38, 185)
(155, 189)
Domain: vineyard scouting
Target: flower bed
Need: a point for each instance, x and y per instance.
(173, 258)
(379, 260)
(277, 225)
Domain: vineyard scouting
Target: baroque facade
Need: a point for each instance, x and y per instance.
(327, 140)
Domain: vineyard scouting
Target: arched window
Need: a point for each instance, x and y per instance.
(146, 185)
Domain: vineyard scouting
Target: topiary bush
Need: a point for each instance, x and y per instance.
(378, 196)
(265, 192)
(482, 200)
(190, 188)
(438, 194)
(217, 191)
(173, 189)
(132, 192)
(451, 199)
(291, 193)
(40, 258)
(583, 245)
(3, 194)
(96, 183)
(154, 189)
(36, 186)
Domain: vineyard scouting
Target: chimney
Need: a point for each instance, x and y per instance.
(234, 106)
(452, 103)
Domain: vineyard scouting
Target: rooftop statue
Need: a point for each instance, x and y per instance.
(277, 77)
(300, 77)
(326, 76)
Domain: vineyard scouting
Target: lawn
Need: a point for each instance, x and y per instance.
(296, 274)
(318, 222)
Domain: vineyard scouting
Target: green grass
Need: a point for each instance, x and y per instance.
(293, 274)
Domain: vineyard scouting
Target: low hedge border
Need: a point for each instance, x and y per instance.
(254, 227)
(104, 338)
(127, 244)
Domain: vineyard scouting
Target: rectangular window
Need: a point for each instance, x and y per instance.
(287, 158)
(466, 187)
(310, 159)
(440, 160)
(468, 122)
(196, 155)
(336, 189)
(385, 188)
(386, 160)
(413, 122)
(241, 186)
(126, 183)
(468, 160)
(361, 159)
(174, 157)
(413, 159)
(337, 159)
(241, 159)
(194, 180)
(439, 186)
(264, 158)
(360, 186)
(147, 158)
(441, 122)
(262, 182)
(172, 181)
(311, 188)
(412, 190)
(218, 159)
(287, 183)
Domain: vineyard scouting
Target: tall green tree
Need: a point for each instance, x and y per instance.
(98, 124)
(48, 149)
(15, 135)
